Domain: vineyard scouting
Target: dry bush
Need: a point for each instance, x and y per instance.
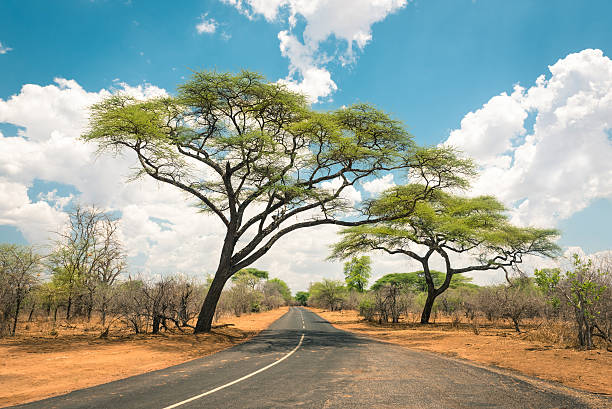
(560, 333)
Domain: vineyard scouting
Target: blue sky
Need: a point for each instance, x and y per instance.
(428, 62)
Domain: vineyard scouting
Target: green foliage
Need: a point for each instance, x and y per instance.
(583, 289)
(254, 272)
(327, 293)
(302, 297)
(281, 287)
(250, 277)
(415, 281)
(367, 308)
(67, 281)
(357, 273)
(271, 139)
(547, 280)
(446, 222)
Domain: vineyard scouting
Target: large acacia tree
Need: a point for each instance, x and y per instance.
(256, 156)
(451, 226)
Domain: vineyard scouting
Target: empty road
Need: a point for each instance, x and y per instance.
(302, 361)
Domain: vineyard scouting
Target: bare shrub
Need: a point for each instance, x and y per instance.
(390, 302)
(19, 272)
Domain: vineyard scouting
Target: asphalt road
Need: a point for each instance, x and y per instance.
(302, 361)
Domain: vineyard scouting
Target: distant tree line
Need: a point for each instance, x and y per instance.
(581, 296)
(84, 276)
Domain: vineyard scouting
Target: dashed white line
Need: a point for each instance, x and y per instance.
(239, 379)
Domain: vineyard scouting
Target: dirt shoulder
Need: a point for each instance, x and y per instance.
(33, 368)
(586, 370)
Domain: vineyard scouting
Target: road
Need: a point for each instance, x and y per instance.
(302, 361)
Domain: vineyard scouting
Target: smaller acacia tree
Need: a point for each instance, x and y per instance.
(446, 225)
(357, 273)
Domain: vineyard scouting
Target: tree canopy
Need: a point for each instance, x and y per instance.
(256, 156)
(447, 225)
(415, 281)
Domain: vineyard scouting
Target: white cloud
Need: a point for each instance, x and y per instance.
(559, 167)
(348, 22)
(206, 25)
(4, 49)
(349, 193)
(379, 185)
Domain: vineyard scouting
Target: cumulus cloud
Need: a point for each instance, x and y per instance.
(206, 25)
(351, 195)
(4, 49)
(379, 185)
(546, 150)
(348, 22)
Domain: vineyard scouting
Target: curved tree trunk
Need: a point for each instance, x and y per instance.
(426, 314)
(431, 291)
(207, 312)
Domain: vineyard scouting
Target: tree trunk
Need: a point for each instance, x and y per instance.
(18, 307)
(431, 292)
(89, 306)
(207, 312)
(31, 313)
(68, 307)
(431, 297)
(516, 325)
(183, 313)
(156, 322)
(103, 314)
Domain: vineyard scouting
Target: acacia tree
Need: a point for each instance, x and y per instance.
(447, 225)
(255, 155)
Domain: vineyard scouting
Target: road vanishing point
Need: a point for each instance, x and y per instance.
(302, 361)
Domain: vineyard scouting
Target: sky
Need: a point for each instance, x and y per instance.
(523, 87)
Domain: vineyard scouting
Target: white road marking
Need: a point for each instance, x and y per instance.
(239, 379)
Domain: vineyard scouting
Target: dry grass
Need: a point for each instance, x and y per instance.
(46, 360)
(495, 344)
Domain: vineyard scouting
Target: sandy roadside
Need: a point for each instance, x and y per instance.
(34, 368)
(586, 370)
